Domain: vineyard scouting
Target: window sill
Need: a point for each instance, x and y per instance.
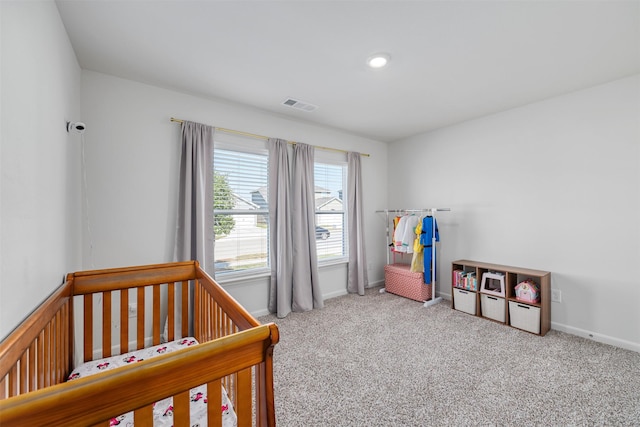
(226, 279)
(332, 262)
(239, 277)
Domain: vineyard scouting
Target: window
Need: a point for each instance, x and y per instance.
(241, 214)
(331, 236)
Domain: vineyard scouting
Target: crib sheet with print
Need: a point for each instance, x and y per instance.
(162, 410)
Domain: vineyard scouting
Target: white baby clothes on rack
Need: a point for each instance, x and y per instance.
(404, 234)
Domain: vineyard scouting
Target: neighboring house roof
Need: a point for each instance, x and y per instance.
(328, 203)
(241, 203)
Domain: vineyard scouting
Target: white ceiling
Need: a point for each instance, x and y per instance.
(450, 60)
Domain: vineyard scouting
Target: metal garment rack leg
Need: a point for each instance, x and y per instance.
(434, 299)
(384, 289)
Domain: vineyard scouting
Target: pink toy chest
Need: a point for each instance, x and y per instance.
(399, 280)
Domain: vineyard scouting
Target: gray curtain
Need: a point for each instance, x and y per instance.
(194, 228)
(280, 244)
(357, 274)
(306, 284)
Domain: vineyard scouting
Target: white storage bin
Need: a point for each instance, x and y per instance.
(524, 316)
(464, 301)
(492, 307)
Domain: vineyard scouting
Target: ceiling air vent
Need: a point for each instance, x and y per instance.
(299, 105)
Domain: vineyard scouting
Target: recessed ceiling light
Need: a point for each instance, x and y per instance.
(378, 60)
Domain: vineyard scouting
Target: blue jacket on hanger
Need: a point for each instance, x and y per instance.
(429, 228)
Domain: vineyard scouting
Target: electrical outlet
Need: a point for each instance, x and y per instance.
(556, 295)
(133, 310)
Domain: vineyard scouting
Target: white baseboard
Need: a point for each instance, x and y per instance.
(605, 339)
(445, 296)
(335, 294)
(265, 311)
(260, 313)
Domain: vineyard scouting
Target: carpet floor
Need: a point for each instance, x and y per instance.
(384, 360)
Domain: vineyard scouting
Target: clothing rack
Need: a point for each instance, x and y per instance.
(423, 211)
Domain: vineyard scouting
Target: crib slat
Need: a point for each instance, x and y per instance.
(143, 417)
(106, 324)
(55, 350)
(60, 334)
(214, 403)
(3, 388)
(13, 381)
(33, 373)
(207, 318)
(197, 311)
(67, 340)
(208, 322)
(171, 310)
(243, 397)
(55, 327)
(185, 308)
(63, 344)
(216, 320)
(140, 319)
(88, 327)
(124, 321)
(48, 363)
(69, 335)
(260, 392)
(226, 324)
(24, 372)
(40, 356)
(181, 409)
(156, 314)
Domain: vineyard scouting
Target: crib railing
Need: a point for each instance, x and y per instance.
(38, 353)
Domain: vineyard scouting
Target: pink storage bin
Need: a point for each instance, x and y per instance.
(399, 280)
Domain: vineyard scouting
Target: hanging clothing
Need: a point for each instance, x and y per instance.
(429, 233)
(396, 220)
(398, 231)
(417, 261)
(409, 235)
(404, 234)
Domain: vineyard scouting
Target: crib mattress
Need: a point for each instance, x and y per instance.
(162, 410)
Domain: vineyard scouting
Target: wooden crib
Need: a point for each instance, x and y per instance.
(235, 351)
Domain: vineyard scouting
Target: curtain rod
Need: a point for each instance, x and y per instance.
(253, 135)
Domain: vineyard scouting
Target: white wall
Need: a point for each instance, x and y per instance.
(554, 186)
(40, 207)
(132, 154)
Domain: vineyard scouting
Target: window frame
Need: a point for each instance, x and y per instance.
(333, 159)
